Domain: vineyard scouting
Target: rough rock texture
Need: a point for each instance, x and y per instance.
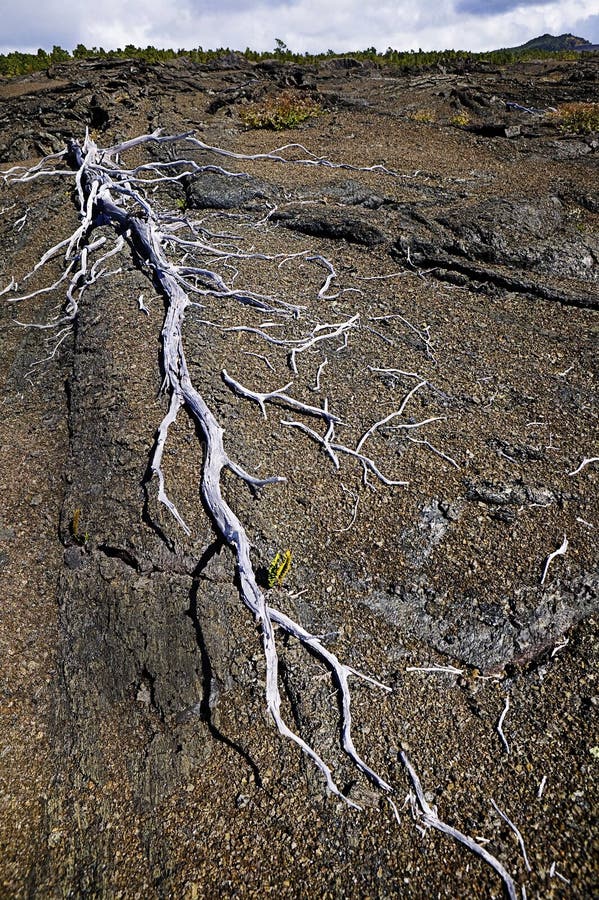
(135, 755)
(337, 224)
(530, 246)
(215, 190)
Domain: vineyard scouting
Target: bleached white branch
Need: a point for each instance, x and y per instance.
(12, 284)
(397, 372)
(106, 197)
(586, 461)
(43, 290)
(559, 552)
(391, 416)
(320, 370)
(261, 357)
(516, 832)
(395, 810)
(432, 820)
(434, 449)
(156, 461)
(327, 264)
(294, 345)
(553, 873)
(450, 670)
(333, 448)
(20, 223)
(500, 731)
(354, 514)
(423, 333)
(380, 277)
(276, 155)
(559, 647)
(278, 396)
(110, 194)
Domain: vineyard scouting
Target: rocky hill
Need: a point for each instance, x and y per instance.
(557, 43)
(393, 307)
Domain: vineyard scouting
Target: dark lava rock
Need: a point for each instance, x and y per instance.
(98, 114)
(509, 493)
(330, 222)
(217, 190)
(496, 129)
(519, 452)
(74, 558)
(518, 631)
(472, 100)
(345, 63)
(500, 241)
(352, 193)
(285, 74)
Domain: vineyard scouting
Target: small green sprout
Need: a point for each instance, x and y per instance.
(279, 568)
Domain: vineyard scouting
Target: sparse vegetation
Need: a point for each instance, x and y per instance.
(17, 63)
(580, 118)
(79, 537)
(279, 568)
(286, 110)
(461, 120)
(423, 116)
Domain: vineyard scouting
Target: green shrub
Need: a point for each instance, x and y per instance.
(286, 110)
(581, 118)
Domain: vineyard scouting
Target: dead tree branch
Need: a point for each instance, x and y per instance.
(561, 550)
(432, 820)
(111, 195)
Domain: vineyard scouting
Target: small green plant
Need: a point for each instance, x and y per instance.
(461, 119)
(80, 538)
(580, 118)
(279, 568)
(286, 110)
(423, 116)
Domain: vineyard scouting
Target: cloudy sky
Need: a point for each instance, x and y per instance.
(304, 25)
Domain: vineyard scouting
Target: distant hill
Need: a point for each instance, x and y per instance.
(552, 43)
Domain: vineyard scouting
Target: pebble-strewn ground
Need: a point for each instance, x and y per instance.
(136, 759)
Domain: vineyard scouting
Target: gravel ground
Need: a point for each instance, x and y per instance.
(136, 758)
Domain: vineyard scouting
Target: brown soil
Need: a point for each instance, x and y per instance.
(135, 755)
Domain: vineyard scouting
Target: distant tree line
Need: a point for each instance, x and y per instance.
(17, 63)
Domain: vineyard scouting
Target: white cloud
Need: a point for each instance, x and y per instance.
(304, 25)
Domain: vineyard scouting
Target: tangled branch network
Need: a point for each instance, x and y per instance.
(111, 195)
(117, 215)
